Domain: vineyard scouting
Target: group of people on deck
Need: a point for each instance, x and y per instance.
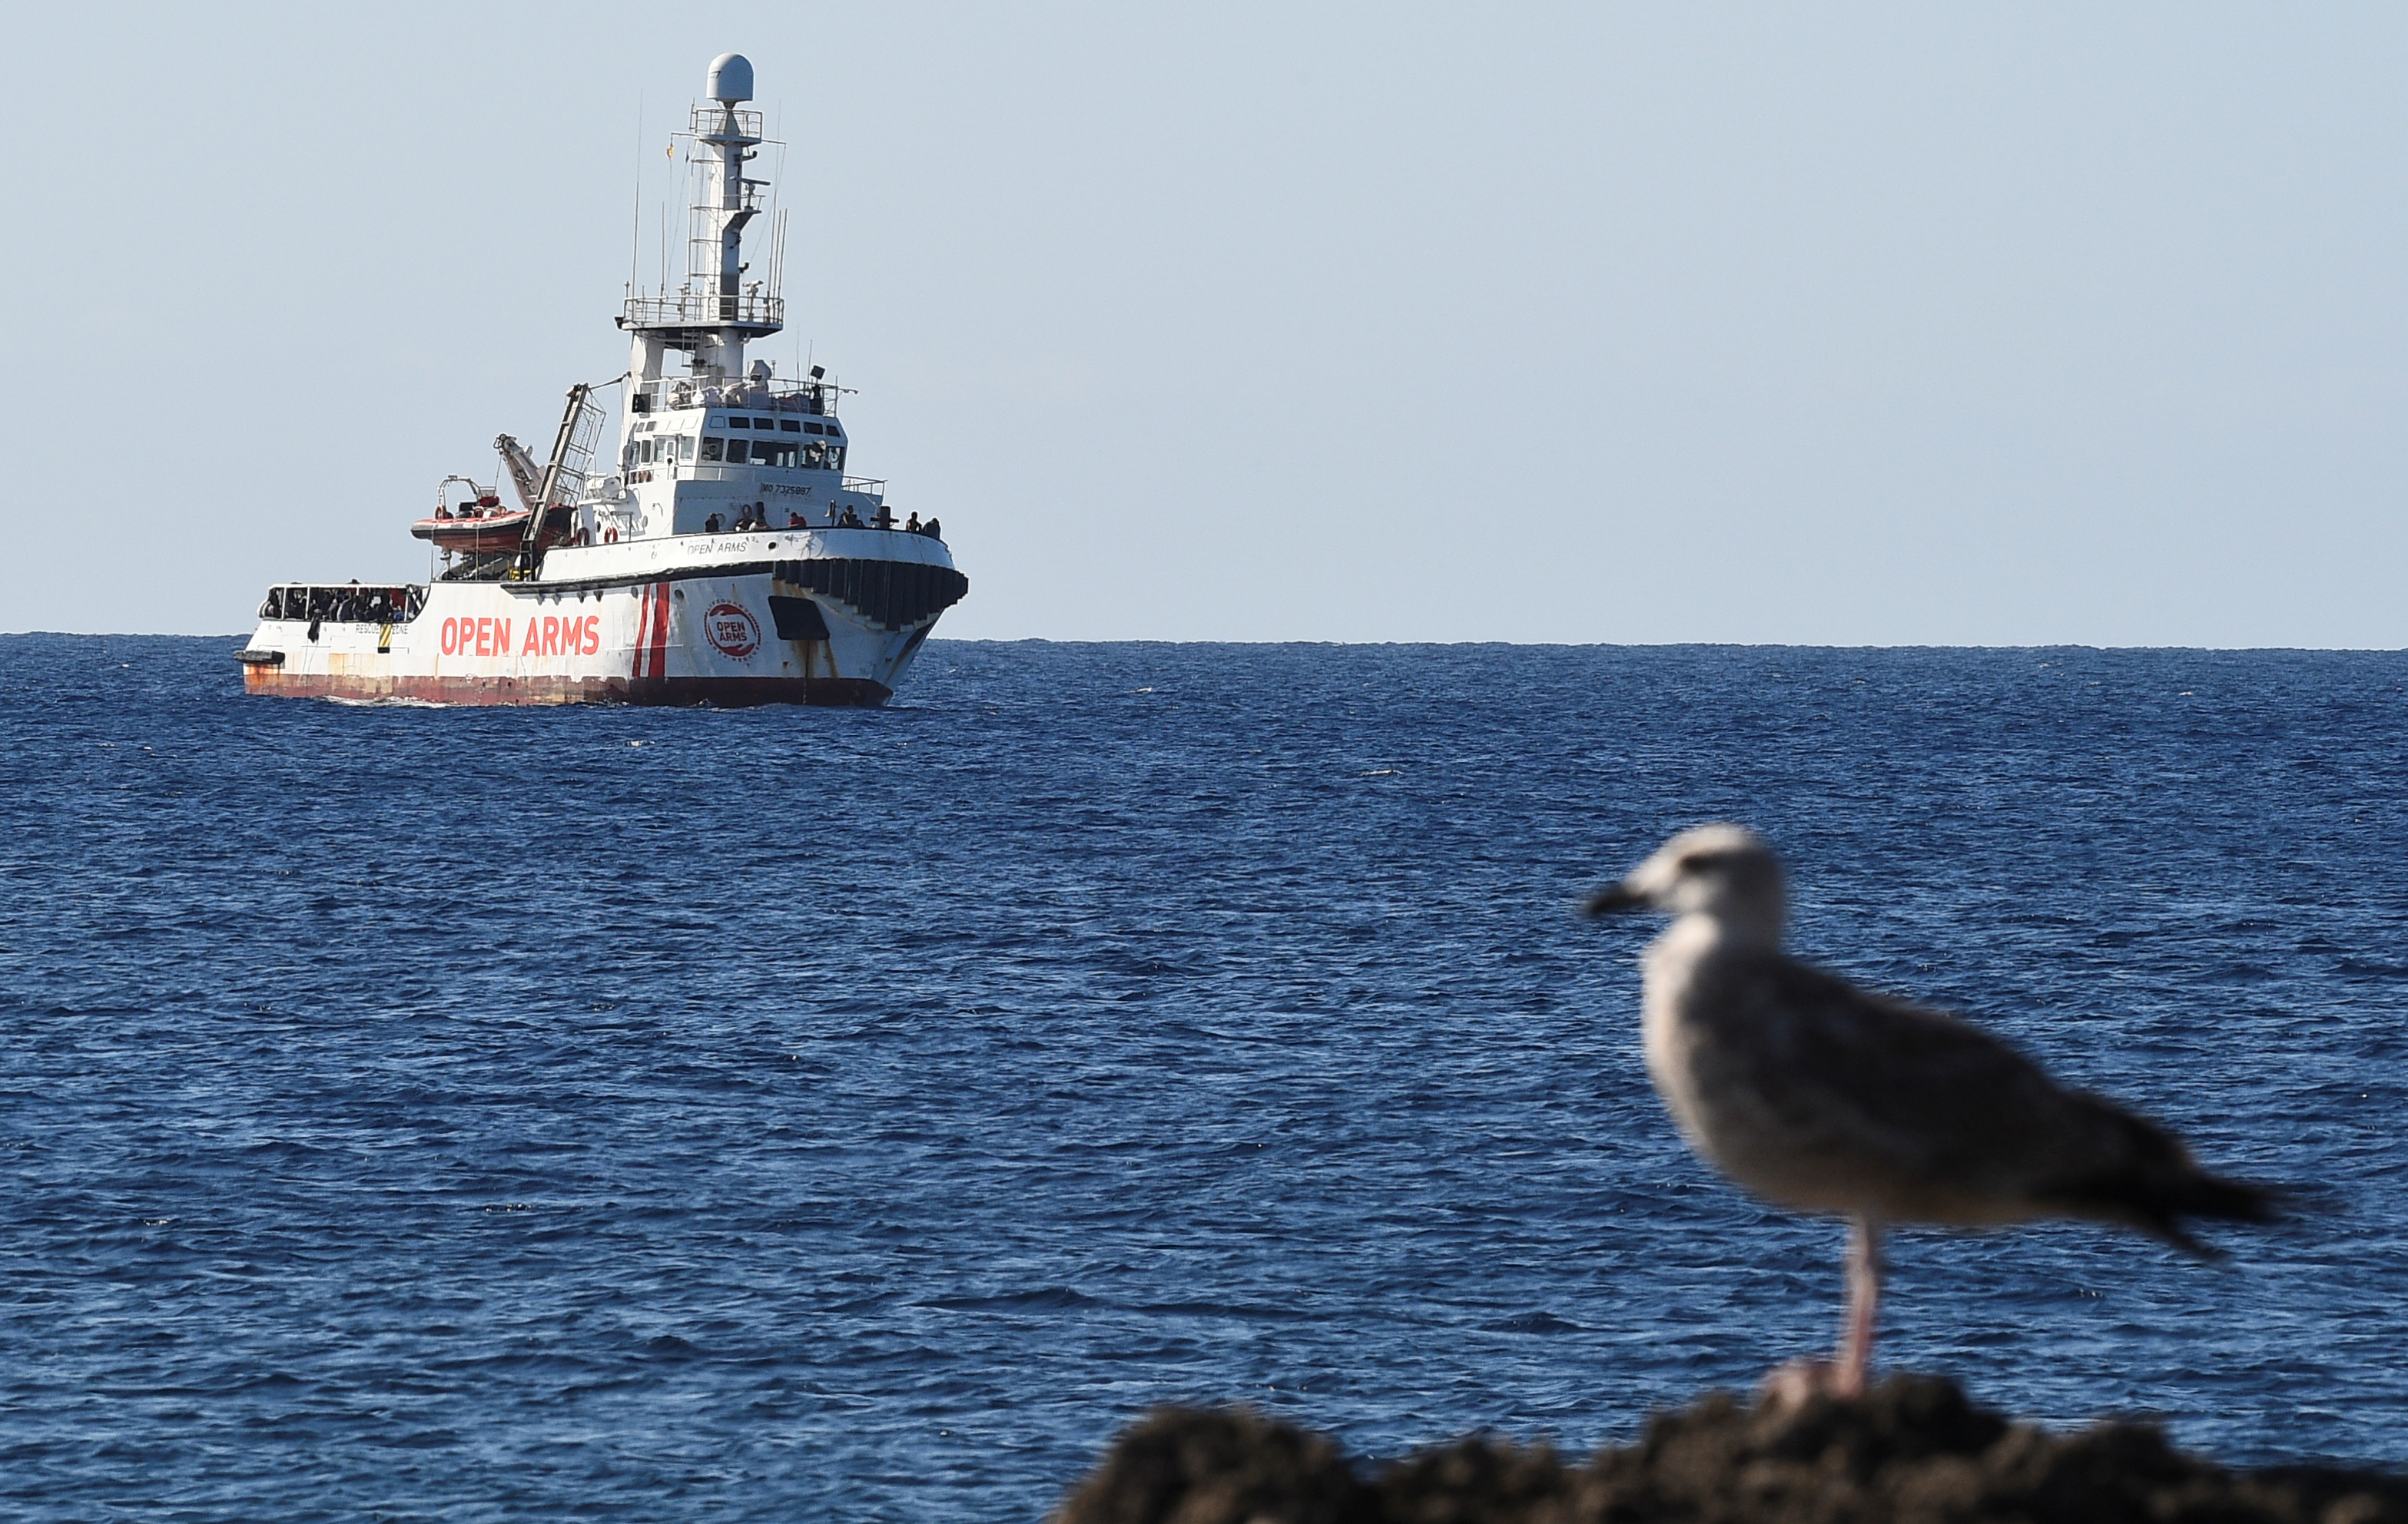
(756, 515)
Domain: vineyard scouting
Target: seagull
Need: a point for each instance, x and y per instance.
(1817, 1096)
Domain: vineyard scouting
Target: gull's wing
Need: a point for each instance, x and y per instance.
(1828, 1096)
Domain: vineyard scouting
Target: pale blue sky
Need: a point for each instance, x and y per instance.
(1919, 325)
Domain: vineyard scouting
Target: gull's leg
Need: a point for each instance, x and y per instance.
(1864, 1305)
(1789, 1385)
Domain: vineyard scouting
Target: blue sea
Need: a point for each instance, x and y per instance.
(417, 1114)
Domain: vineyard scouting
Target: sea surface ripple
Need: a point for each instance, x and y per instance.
(478, 1114)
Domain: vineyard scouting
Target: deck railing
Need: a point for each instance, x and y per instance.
(780, 396)
(345, 604)
(705, 309)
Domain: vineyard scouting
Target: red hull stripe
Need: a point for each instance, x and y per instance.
(643, 618)
(727, 692)
(660, 631)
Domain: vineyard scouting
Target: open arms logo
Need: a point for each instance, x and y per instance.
(732, 630)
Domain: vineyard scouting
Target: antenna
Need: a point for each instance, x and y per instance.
(636, 233)
(779, 192)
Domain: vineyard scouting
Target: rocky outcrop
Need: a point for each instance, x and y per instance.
(1912, 1450)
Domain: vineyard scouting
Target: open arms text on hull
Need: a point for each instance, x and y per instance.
(728, 561)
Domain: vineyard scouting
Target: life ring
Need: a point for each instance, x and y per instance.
(610, 536)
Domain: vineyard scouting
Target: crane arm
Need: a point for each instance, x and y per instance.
(521, 468)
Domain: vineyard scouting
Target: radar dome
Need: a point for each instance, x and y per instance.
(730, 80)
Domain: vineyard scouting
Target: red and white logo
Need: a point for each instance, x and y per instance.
(733, 629)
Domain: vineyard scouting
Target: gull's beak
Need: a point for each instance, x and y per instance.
(1612, 899)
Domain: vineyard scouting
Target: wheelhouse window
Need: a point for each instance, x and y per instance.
(712, 447)
(792, 427)
(774, 451)
(739, 422)
(739, 451)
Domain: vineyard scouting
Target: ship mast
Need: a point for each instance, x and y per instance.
(716, 311)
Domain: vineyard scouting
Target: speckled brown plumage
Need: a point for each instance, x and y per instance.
(1817, 1096)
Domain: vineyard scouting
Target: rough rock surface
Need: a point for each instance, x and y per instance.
(1912, 1450)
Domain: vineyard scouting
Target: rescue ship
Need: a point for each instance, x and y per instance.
(729, 560)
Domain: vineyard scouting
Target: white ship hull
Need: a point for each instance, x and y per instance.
(659, 581)
(796, 616)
